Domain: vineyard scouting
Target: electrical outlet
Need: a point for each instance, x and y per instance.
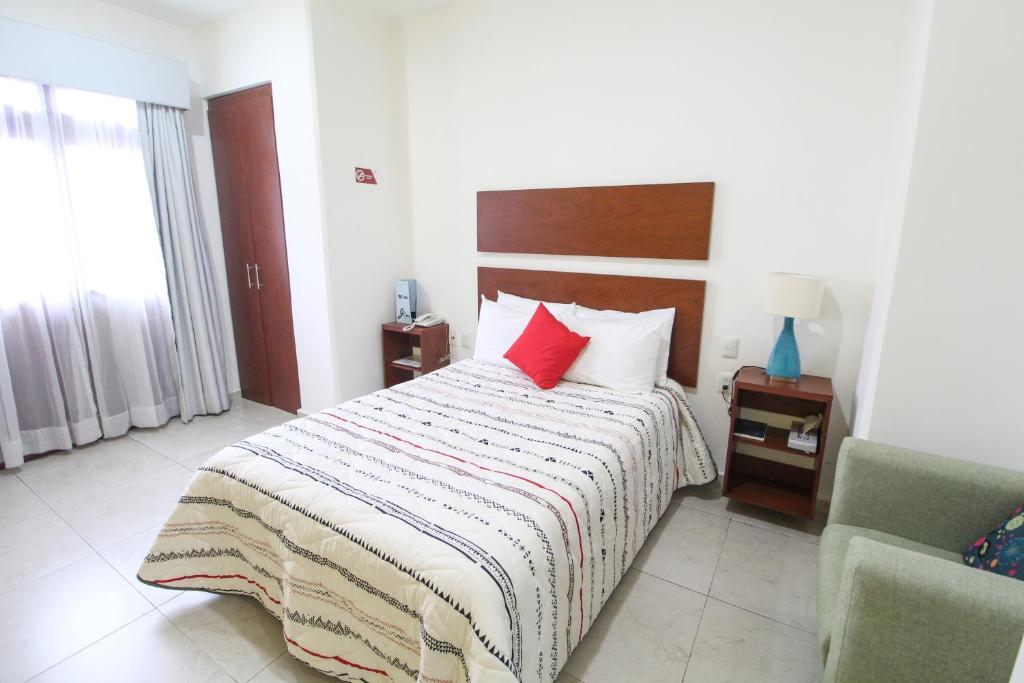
(725, 383)
(453, 337)
(467, 340)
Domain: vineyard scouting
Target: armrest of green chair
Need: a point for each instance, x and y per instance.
(937, 501)
(903, 616)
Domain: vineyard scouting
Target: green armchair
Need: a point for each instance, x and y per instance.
(895, 601)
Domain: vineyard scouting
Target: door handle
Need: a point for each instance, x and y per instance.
(259, 285)
(248, 276)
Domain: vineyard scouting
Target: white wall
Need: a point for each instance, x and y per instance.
(950, 358)
(270, 42)
(361, 110)
(894, 204)
(790, 107)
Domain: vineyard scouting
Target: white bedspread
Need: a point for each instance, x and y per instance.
(465, 526)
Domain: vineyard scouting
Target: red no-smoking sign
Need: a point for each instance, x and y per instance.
(365, 175)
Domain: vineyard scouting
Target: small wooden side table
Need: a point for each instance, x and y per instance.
(769, 473)
(432, 343)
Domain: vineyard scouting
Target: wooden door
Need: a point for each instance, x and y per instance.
(228, 124)
(255, 252)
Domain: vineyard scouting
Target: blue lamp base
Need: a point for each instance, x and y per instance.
(784, 363)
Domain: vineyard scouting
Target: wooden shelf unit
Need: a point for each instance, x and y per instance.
(396, 343)
(769, 473)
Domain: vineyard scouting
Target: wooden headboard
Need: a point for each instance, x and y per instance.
(668, 221)
(618, 292)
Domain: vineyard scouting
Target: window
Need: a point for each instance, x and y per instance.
(76, 211)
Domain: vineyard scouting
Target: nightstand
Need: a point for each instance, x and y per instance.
(769, 473)
(397, 344)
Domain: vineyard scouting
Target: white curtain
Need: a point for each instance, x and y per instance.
(194, 307)
(86, 341)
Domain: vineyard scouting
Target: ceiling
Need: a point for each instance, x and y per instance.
(400, 8)
(195, 13)
(185, 12)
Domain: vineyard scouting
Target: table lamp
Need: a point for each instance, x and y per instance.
(792, 296)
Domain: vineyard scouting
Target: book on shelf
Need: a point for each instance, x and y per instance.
(409, 362)
(750, 429)
(807, 443)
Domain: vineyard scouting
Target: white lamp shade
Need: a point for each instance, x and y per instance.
(794, 296)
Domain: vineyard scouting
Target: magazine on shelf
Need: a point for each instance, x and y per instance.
(409, 362)
(750, 429)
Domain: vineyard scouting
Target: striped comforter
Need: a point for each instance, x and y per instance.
(465, 526)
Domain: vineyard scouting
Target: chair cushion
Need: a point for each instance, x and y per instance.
(1002, 549)
(832, 558)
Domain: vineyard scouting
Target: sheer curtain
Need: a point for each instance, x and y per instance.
(86, 341)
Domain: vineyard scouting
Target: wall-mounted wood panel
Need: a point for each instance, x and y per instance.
(667, 221)
(618, 292)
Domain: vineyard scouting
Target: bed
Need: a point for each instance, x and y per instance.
(464, 526)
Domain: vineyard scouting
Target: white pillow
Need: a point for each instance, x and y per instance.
(665, 317)
(496, 330)
(521, 303)
(622, 353)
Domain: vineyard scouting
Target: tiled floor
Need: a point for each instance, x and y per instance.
(720, 592)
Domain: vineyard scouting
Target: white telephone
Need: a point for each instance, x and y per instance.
(425, 320)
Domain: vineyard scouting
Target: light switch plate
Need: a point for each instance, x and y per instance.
(730, 347)
(467, 340)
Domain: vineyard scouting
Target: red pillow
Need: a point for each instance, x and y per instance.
(545, 349)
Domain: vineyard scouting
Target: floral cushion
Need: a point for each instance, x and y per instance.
(1002, 549)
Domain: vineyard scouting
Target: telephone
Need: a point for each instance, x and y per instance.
(425, 320)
